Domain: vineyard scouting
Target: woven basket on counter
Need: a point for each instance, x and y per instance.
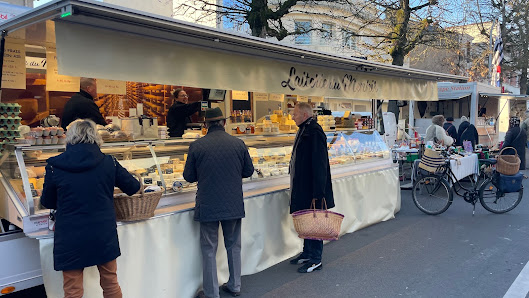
(114, 140)
(138, 206)
(508, 164)
(317, 224)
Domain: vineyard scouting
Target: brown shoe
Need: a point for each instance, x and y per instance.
(225, 288)
(200, 294)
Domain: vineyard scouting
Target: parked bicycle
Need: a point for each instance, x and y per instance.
(433, 193)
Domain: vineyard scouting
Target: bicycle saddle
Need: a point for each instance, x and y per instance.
(489, 161)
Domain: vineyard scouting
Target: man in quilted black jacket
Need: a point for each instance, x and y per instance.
(218, 162)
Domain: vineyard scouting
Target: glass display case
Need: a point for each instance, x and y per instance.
(349, 147)
(162, 162)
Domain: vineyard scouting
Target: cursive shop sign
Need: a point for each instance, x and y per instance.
(305, 80)
(35, 62)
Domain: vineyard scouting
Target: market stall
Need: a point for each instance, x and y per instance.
(127, 48)
(484, 105)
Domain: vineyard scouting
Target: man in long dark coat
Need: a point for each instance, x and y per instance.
(310, 179)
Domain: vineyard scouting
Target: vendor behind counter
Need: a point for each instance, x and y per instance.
(179, 113)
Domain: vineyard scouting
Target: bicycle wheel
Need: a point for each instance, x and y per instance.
(432, 195)
(495, 201)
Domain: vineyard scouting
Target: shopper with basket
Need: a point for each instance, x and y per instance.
(310, 180)
(515, 138)
(79, 184)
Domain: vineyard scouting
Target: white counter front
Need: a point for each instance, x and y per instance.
(161, 256)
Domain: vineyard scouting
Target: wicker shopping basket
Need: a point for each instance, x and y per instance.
(138, 206)
(508, 164)
(317, 224)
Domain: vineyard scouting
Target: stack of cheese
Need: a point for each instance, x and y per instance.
(162, 132)
(267, 127)
(327, 122)
(288, 125)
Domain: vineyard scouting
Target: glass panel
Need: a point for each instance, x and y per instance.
(302, 26)
(270, 155)
(172, 156)
(137, 159)
(34, 162)
(367, 145)
(326, 35)
(349, 39)
(340, 152)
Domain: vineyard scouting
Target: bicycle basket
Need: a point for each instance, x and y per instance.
(508, 164)
(431, 160)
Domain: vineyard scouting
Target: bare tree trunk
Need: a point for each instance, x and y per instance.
(523, 81)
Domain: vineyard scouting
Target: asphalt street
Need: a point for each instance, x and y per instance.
(453, 254)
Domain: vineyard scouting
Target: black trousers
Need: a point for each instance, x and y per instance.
(312, 249)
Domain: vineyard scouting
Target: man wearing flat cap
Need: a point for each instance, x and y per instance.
(218, 162)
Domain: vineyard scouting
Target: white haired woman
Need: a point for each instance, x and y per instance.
(436, 133)
(79, 184)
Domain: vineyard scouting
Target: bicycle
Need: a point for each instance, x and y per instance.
(433, 193)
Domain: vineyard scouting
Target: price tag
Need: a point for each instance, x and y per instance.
(152, 169)
(159, 183)
(31, 186)
(168, 171)
(147, 180)
(34, 193)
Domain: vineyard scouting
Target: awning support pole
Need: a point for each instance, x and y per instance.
(411, 122)
(474, 98)
(2, 50)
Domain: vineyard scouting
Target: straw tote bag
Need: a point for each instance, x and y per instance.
(317, 224)
(431, 160)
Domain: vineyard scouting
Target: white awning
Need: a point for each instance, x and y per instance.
(111, 42)
(505, 96)
(447, 90)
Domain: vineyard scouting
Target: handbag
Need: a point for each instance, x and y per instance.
(512, 183)
(317, 224)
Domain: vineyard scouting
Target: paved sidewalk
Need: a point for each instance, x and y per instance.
(454, 254)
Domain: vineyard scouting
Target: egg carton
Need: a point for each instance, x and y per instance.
(9, 126)
(10, 120)
(7, 140)
(9, 133)
(9, 109)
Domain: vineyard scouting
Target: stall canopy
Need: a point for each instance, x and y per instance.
(105, 41)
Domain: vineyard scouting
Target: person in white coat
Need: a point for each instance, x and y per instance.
(436, 133)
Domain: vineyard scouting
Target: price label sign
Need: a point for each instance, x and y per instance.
(203, 105)
(147, 181)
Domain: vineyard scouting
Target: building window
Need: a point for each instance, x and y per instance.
(302, 26)
(349, 39)
(326, 33)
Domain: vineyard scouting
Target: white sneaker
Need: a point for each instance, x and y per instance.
(309, 267)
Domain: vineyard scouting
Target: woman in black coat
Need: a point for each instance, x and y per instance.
(516, 138)
(79, 184)
(467, 132)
